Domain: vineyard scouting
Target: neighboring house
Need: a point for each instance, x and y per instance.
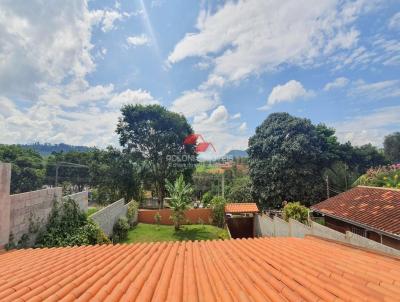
(371, 212)
(262, 269)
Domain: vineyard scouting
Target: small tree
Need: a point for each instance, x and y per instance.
(295, 211)
(218, 210)
(157, 219)
(180, 197)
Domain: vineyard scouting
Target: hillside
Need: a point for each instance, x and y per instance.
(46, 149)
(236, 154)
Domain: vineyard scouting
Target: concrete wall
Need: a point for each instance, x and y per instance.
(31, 207)
(5, 178)
(81, 198)
(277, 227)
(106, 217)
(192, 215)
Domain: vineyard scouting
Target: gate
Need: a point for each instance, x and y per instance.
(241, 227)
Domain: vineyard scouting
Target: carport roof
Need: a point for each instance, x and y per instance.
(249, 207)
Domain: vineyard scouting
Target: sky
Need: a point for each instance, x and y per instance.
(66, 67)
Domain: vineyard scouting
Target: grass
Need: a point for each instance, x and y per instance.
(91, 210)
(151, 232)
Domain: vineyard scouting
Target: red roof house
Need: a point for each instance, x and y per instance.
(368, 211)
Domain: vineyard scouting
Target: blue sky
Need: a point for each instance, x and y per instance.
(67, 67)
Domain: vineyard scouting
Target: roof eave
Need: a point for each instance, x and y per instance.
(365, 226)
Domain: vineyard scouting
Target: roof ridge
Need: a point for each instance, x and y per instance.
(379, 188)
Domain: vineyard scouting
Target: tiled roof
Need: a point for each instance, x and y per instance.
(250, 207)
(377, 208)
(264, 269)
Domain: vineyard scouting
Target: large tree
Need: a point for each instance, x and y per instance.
(285, 159)
(156, 135)
(391, 146)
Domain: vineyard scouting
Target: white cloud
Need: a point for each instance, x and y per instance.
(43, 47)
(369, 127)
(135, 97)
(223, 132)
(45, 56)
(243, 127)
(195, 102)
(288, 92)
(337, 83)
(138, 40)
(376, 90)
(247, 37)
(394, 22)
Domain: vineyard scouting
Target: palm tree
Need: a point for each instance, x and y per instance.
(179, 193)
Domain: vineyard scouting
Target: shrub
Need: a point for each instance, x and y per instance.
(386, 176)
(120, 230)
(206, 198)
(131, 215)
(296, 211)
(68, 225)
(218, 210)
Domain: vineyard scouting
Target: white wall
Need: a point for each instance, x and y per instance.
(267, 227)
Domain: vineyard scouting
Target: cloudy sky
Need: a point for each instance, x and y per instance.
(66, 67)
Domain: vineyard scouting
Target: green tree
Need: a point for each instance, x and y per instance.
(240, 191)
(115, 175)
(285, 160)
(180, 193)
(296, 211)
(156, 135)
(218, 210)
(27, 169)
(391, 146)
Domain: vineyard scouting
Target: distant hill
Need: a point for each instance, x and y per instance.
(236, 154)
(46, 149)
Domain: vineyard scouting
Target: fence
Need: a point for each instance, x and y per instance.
(106, 217)
(276, 227)
(192, 215)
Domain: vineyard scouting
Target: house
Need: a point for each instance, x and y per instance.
(262, 269)
(372, 212)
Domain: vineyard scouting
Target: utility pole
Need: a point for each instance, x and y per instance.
(327, 186)
(223, 185)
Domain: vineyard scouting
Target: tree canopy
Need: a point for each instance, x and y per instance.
(155, 135)
(285, 157)
(289, 159)
(27, 173)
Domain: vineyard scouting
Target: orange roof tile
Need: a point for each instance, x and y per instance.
(249, 207)
(378, 208)
(264, 269)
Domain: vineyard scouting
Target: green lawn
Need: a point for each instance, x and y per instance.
(150, 232)
(91, 210)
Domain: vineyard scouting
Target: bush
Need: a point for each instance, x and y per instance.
(218, 210)
(131, 215)
(120, 230)
(386, 176)
(241, 190)
(296, 211)
(67, 226)
(206, 198)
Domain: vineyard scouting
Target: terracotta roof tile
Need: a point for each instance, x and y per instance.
(377, 208)
(264, 269)
(250, 207)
